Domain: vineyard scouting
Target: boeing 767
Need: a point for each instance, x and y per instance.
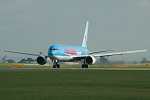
(68, 53)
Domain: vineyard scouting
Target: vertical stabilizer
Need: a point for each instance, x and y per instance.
(84, 43)
(4, 59)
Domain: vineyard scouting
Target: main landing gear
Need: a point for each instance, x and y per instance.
(84, 65)
(55, 64)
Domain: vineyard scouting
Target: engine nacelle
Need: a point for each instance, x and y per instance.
(41, 60)
(90, 60)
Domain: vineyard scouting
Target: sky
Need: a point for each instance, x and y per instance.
(34, 25)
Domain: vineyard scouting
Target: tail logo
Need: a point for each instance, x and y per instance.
(85, 39)
(84, 43)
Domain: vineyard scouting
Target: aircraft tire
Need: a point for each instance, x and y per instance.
(83, 66)
(54, 66)
(58, 66)
(86, 66)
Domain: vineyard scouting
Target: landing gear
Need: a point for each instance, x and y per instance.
(84, 66)
(58, 66)
(55, 64)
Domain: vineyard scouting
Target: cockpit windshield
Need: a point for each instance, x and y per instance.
(54, 49)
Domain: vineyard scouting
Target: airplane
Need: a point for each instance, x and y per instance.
(68, 53)
(4, 59)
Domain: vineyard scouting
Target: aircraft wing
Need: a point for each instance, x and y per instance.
(108, 54)
(23, 53)
(100, 51)
(117, 53)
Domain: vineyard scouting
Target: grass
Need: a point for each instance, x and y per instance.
(79, 84)
(9, 65)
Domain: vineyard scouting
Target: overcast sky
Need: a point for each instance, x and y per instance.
(34, 25)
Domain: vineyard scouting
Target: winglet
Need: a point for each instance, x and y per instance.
(84, 43)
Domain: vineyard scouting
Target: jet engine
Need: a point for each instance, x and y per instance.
(90, 60)
(41, 60)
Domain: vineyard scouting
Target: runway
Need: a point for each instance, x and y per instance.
(98, 68)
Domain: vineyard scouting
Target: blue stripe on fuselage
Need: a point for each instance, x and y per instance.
(67, 50)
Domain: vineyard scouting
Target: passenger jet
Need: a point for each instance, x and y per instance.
(68, 53)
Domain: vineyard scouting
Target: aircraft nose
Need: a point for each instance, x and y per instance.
(51, 52)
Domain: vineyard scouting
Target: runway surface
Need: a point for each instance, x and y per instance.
(100, 68)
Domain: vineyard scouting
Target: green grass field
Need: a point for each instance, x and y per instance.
(9, 65)
(78, 84)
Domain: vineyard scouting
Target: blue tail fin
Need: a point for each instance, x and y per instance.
(84, 43)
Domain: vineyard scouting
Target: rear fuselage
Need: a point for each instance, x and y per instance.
(66, 52)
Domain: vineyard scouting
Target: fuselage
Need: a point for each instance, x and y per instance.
(66, 52)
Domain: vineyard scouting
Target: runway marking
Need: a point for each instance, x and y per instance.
(121, 66)
(18, 64)
(100, 68)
